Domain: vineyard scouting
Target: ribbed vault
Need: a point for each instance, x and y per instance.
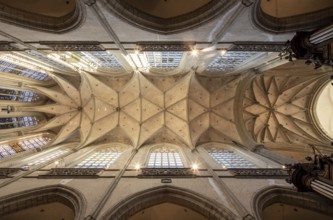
(182, 109)
(211, 102)
(276, 107)
(186, 109)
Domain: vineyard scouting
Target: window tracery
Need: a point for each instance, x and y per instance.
(100, 159)
(46, 158)
(20, 96)
(100, 59)
(230, 159)
(9, 67)
(8, 149)
(17, 122)
(230, 60)
(165, 60)
(164, 157)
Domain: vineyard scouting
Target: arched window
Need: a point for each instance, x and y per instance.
(17, 122)
(164, 157)
(20, 96)
(230, 159)
(10, 67)
(100, 159)
(11, 148)
(50, 156)
(165, 60)
(100, 59)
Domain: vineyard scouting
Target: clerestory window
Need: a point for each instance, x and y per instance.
(165, 157)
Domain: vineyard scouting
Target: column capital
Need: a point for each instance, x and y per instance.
(89, 2)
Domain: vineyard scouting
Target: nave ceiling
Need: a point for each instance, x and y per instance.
(187, 109)
(228, 93)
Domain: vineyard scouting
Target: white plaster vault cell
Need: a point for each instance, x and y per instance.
(229, 61)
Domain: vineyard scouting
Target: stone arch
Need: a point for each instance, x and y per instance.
(42, 22)
(321, 100)
(171, 194)
(170, 25)
(44, 195)
(278, 194)
(299, 22)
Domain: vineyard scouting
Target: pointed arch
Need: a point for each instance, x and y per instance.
(162, 194)
(285, 195)
(67, 196)
(297, 22)
(33, 19)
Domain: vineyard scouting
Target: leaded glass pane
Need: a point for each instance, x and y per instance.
(47, 158)
(230, 159)
(101, 159)
(9, 67)
(164, 59)
(163, 158)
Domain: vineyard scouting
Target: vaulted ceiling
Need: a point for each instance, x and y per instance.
(186, 109)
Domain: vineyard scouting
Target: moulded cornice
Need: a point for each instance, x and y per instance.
(42, 22)
(306, 21)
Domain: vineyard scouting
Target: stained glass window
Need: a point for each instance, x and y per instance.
(24, 145)
(10, 67)
(164, 158)
(20, 96)
(230, 159)
(16, 122)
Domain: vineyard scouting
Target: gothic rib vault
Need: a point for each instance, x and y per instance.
(185, 109)
(180, 109)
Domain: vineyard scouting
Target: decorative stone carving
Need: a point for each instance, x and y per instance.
(259, 172)
(74, 46)
(6, 46)
(89, 2)
(166, 46)
(7, 172)
(259, 46)
(276, 104)
(247, 3)
(74, 172)
(167, 172)
(248, 217)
